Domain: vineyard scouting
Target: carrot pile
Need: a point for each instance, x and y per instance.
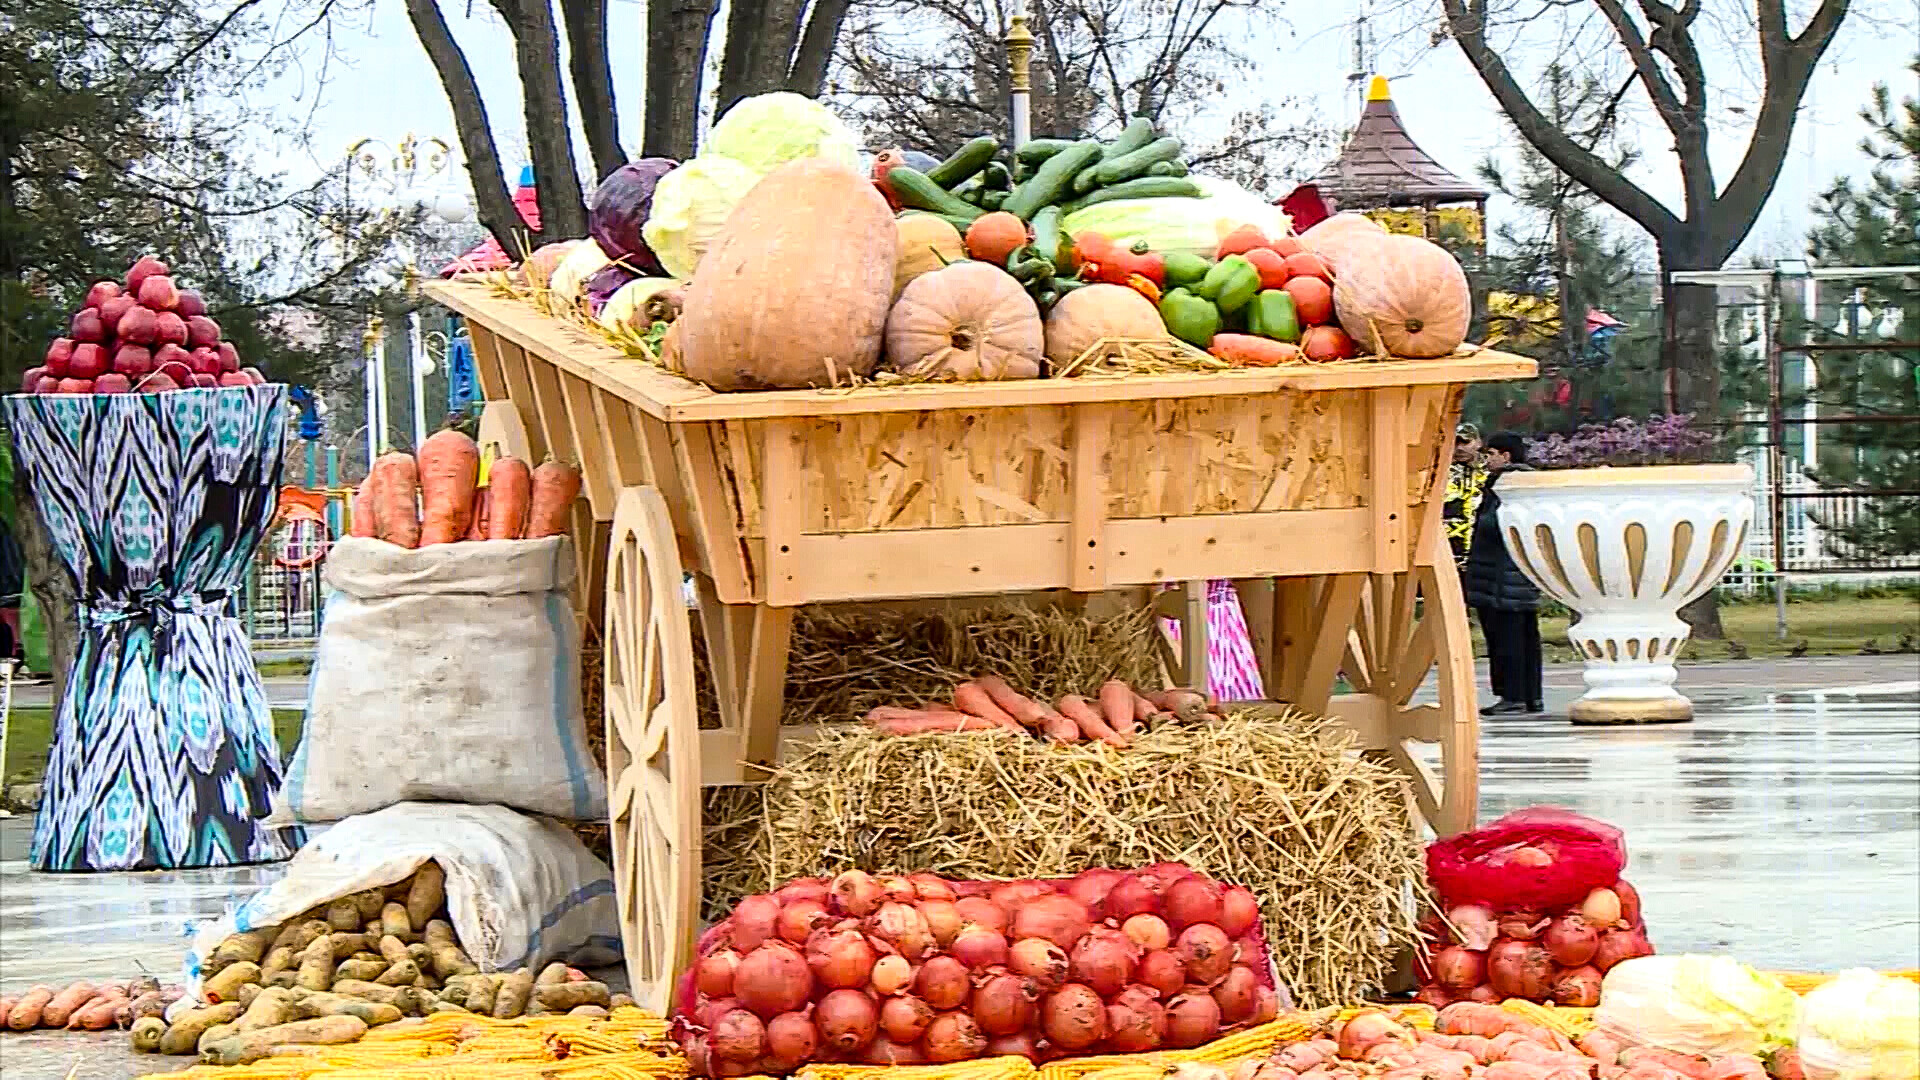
(1477, 1041)
(1113, 716)
(435, 498)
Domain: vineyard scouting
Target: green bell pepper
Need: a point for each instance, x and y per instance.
(1231, 283)
(1189, 317)
(1185, 269)
(1271, 315)
(1028, 266)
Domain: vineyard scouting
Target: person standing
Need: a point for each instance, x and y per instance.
(1506, 601)
(1464, 480)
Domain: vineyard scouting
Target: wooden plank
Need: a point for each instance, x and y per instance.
(516, 368)
(765, 688)
(486, 364)
(597, 479)
(711, 519)
(1387, 480)
(549, 411)
(1295, 599)
(1335, 619)
(1194, 660)
(1087, 526)
(619, 440)
(782, 512)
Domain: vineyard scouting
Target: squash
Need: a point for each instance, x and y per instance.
(1336, 238)
(969, 322)
(993, 237)
(1092, 312)
(927, 243)
(1404, 296)
(793, 291)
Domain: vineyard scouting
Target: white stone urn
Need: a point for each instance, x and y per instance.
(1626, 549)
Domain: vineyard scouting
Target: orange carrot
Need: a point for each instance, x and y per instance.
(555, 486)
(449, 468)
(98, 1013)
(889, 720)
(1116, 707)
(1015, 704)
(67, 1002)
(1143, 710)
(1082, 713)
(1188, 705)
(1245, 350)
(364, 523)
(394, 505)
(974, 701)
(477, 526)
(509, 489)
(25, 1015)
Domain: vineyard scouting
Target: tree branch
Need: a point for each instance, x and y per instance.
(494, 204)
(815, 53)
(592, 76)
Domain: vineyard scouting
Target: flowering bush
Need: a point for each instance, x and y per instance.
(1658, 440)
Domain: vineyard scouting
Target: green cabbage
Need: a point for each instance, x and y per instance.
(1706, 1005)
(767, 131)
(1191, 225)
(1862, 1026)
(690, 205)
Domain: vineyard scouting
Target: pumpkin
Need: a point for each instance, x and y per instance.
(1406, 297)
(927, 243)
(1336, 238)
(793, 291)
(884, 162)
(968, 321)
(1092, 312)
(993, 237)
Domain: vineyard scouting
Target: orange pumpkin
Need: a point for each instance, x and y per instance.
(1336, 238)
(969, 322)
(993, 237)
(1092, 312)
(1404, 296)
(1327, 343)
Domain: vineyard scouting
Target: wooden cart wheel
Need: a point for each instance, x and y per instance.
(502, 431)
(653, 748)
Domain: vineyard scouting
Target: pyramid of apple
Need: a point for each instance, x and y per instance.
(148, 337)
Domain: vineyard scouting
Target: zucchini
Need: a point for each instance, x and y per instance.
(965, 161)
(1087, 180)
(996, 177)
(1147, 187)
(1046, 234)
(1127, 167)
(1168, 168)
(1035, 151)
(1050, 181)
(915, 190)
(1137, 133)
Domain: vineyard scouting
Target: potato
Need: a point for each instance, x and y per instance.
(552, 973)
(152, 1003)
(429, 892)
(215, 1033)
(360, 970)
(254, 1045)
(345, 945)
(444, 1006)
(426, 981)
(595, 1012)
(394, 922)
(366, 991)
(316, 965)
(285, 980)
(621, 1001)
(344, 915)
(369, 903)
(515, 991)
(249, 993)
(25, 1015)
(183, 1035)
(421, 954)
(454, 995)
(249, 947)
(400, 974)
(146, 1034)
(279, 958)
(287, 935)
(439, 932)
(308, 1005)
(417, 1002)
(64, 1004)
(447, 960)
(366, 954)
(482, 994)
(270, 1008)
(226, 985)
(566, 996)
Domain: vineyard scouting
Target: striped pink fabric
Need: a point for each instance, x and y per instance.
(1232, 672)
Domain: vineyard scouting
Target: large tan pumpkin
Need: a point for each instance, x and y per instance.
(1338, 237)
(970, 322)
(794, 290)
(1092, 312)
(1405, 295)
(927, 243)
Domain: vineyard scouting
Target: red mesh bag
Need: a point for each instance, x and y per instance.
(1489, 866)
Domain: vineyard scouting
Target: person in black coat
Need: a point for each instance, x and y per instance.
(1508, 604)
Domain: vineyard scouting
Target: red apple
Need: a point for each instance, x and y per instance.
(112, 383)
(204, 382)
(140, 326)
(58, 354)
(47, 385)
(158, 293)
(190, 304)
(254, 374)
(156, 383)
(205, 361)
(229, 356)
(177, 370)
(101, 292)
(147, 266)
(75, 386)
(89, 362)
(134, 360)
(202, 331)
(169, 329)
(87, 326)
(31, 379)
(234, 378)
(114, 310)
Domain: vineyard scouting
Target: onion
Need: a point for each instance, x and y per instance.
(1368, 1029)
(1162, 874)
(1522, 925)
(699, 1057)
(710, 1012)
(1012, 894)
(1528, 855)
(904, 1019)
(840, 959)
(773, 979)
(847, 1020)
(1434, 928)
(983, 912)
(1192, 900)
(799, 919)
(953, 1037)
(1040, 960)
(1459, 968)
(1435, 995)
(1476, 925)
(1074, 1017)
(713, 976)
(1130, 1030)
(754, 920)
(1147, 931)
(888, 1052)
(897, 889)
(1520, 969)
(978, 948)
(1192, 1019)
(1164, 971)
(806, 888)
(1235, 994)
(739, 1036)
(1019, 1044)
(1601, 908)
(1618, 945)
(1266, 1005)
(1103, 960)
(931, 887)
(1629, 903)
(792, 1040)
(1131, 897)
(726, 1070)
(942, 918)
(1092, 886)
(1483, 994)
(901, 926)
(891, 974)
(1571, 941)
(1003, 1003)
(1239, 911)
(1579, 987)
(856, 893)
(942, 983)
(1060, 919)
(1206, 951)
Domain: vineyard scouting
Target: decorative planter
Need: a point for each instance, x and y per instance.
(1627, 549)
(164, 755)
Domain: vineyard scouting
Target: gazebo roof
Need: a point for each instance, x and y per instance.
(1381, 165)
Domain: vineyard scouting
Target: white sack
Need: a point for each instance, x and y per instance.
(447, 674)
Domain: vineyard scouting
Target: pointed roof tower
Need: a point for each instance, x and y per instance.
(1381, 165)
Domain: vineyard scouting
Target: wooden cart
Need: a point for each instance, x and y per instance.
(1317, 489)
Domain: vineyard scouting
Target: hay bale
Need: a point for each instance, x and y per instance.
(1281, 804)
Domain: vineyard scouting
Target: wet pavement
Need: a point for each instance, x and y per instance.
(1781, 827)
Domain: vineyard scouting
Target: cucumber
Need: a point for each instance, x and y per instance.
(1035, 151)
(1137, 133)
(1127, 167)
(996, 177)
(915, 190)
(1168, 168)
(1087, 180)
(993, 200)
(1046, 234)
(965, 161)
(1050, 181)
(1022, 172)
(1147, 187)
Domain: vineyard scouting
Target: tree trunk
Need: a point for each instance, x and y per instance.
(1690, 355)
(592, 77)
(536, 54)
(52, 590)
(677, 32)
(470, 124)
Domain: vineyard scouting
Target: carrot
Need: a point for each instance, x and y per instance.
(1059, 728)
(1188, 705)
(394, 508)
(509, 489)
(1116, 706)
(1082, 713)
(1015, 704)
(67, 1002)
(891, 720)
(1245, 350)
(477, 527)
(555, 486)
(364, 523)
(25, 1015)
(1143, 710)
(449, 468)
(974, 701)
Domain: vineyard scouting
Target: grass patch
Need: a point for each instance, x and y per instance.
(1843, 627)
(30, 739)
(277, 669)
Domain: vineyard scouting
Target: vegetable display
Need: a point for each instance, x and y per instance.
(916, 969)
(1113, 716)
(432, 498)
(147, 336)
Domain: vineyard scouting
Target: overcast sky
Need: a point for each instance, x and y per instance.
(386, 89)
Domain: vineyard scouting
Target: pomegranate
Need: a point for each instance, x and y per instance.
(840, 959)
(1103, 960)
(978, 948)
(713, 976)
(739, 1036)
(1130, 897)
(953, 1037)
(982, 912)
(792, 1041)
(1192, 900)
(943, 983)
(847, 1020)
(1236, 994)
(1163, 971)
(1040, 960)
(891, 975)
(1239, 911)
(1059, 919)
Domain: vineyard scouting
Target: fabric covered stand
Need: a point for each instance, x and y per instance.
(164, 755)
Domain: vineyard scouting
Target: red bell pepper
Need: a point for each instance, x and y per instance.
(1105, 261)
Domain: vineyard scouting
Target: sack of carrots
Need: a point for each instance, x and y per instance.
(1113, 715)
(434, 497)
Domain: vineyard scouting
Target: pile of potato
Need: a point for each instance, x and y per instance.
(364, 960)
(83, 1006)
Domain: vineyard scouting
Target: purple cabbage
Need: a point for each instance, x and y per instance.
(602, 286)
(619, 207)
